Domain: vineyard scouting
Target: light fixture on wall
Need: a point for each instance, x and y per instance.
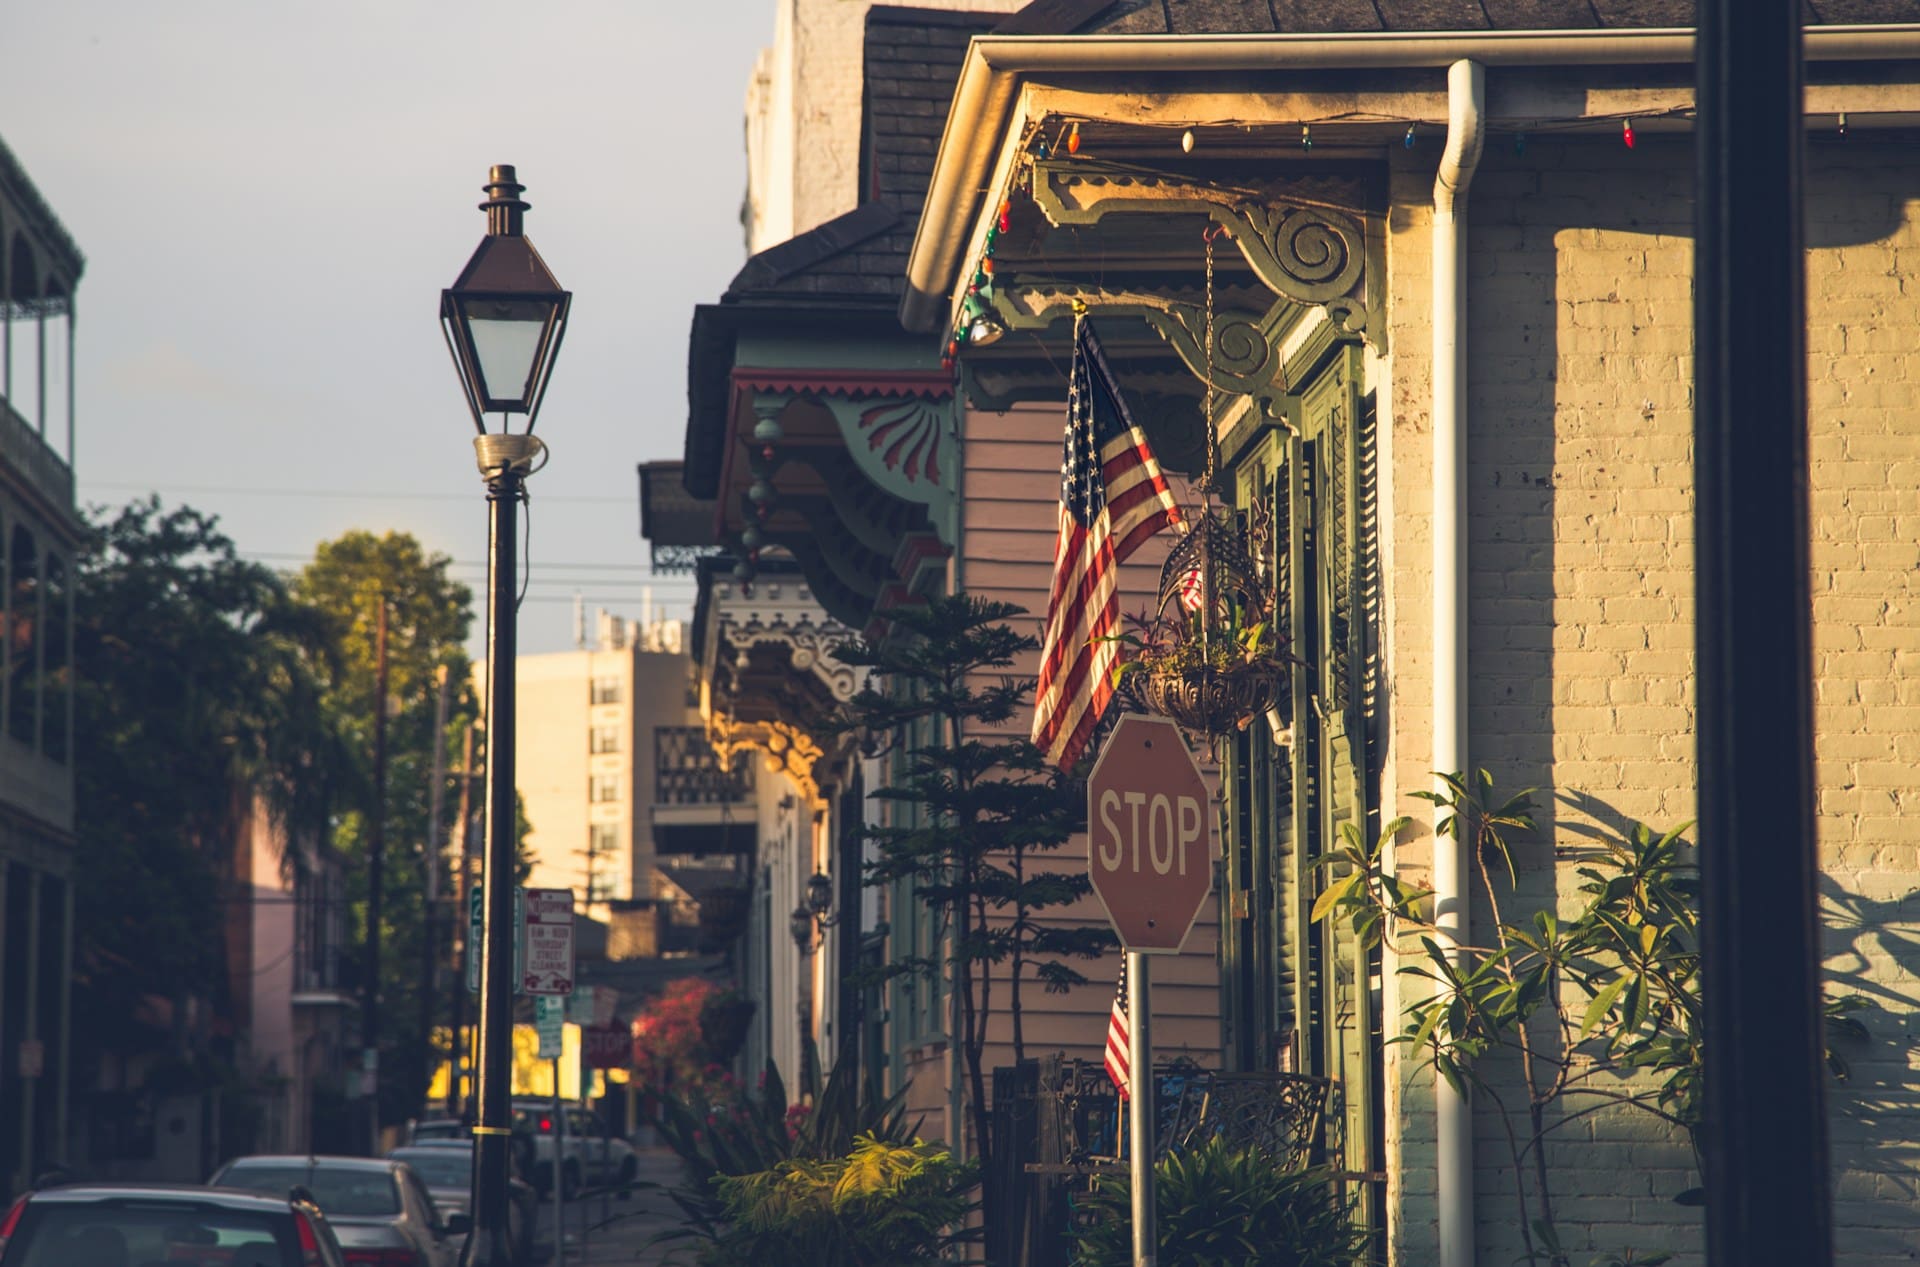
(820, 899)
(800, 924)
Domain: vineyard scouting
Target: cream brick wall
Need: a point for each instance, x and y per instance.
(803, 114)
(1581, 639)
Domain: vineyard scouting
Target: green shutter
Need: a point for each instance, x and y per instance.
(1343, 1028)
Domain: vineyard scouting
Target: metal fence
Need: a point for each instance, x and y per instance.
(1058, 1126)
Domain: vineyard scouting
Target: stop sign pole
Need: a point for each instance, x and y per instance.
(1150, 858)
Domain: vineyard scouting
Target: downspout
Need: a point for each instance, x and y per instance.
(1466, 94)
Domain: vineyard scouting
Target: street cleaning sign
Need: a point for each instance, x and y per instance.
(548, 967)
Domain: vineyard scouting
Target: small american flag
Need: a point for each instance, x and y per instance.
(1112, 498)
(1119, 1047)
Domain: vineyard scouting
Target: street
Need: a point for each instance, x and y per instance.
(602, 1230)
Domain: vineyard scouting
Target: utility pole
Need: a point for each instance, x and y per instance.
(430, 858)
(462, 885)
(376, 862)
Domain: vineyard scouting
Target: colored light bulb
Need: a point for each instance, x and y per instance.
(1073, 139)
(1626, 132)
(1409, 141)
(1306, 137)
(1005, 220)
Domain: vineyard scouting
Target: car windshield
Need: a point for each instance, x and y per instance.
(134, 1233)
(339, 1191)
(439, 1130)
(440, 1167)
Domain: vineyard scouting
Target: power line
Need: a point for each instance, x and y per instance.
(638, 570)
(338, 494)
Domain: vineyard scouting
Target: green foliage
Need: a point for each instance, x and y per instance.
(428, 618)
(882, 1202)
(1601, 1008)
(717, 1134)
(976, 805)
(674, 1041)
(1217, 1206)
(1175, 641)
(198, 686)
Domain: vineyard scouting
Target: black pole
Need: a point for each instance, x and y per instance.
(1763, 1143)
(849, 997)
(376, 878)
(491, 1244)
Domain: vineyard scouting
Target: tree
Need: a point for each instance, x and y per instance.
(428, 615)
(198, 687)
(977, 806)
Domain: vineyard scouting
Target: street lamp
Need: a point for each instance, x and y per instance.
(503, 320)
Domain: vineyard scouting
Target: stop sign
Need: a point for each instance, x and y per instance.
(1149, 835)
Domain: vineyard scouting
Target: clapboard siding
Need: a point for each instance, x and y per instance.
(1011, 465)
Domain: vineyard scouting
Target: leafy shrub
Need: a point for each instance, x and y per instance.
(882, 1203)
(1224, 1207)
(727, 1136)
(672, 1049)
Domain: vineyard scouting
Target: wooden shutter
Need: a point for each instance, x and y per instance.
(1343, 1028)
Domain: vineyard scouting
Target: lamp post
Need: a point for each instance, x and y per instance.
(503, 319)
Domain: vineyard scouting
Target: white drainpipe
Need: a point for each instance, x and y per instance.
(1466, 93)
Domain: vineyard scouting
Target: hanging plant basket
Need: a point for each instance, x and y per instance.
(1210, 659)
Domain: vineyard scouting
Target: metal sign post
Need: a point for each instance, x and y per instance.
(549, 1027)
(1140, 1109)
(559, 1172)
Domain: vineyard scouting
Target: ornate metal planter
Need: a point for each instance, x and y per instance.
(1214, 675)
(1209, 700)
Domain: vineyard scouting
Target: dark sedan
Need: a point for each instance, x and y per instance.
(380, 1210)
(446, 1166)
(164, 1225)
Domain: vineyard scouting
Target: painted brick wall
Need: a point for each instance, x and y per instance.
(1581, 644)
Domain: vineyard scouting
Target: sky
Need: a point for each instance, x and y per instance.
(271, 196)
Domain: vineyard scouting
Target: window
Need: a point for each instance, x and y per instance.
(603, 839)
(603, 739)
(687, 771)
(606, 690)
(602, 788)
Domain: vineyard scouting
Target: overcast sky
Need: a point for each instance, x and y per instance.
(270, 197)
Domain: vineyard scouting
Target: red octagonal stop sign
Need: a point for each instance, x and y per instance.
(1149, 834)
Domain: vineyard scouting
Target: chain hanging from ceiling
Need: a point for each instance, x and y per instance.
(1210, 658)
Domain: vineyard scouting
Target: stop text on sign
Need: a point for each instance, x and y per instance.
(1170, 826)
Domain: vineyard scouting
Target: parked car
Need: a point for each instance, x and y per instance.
(594, 1154)
(380, 1210)
(446, 1167)
(436, 1129)
(129, 1225)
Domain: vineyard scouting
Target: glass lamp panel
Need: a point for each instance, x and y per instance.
(507, 337)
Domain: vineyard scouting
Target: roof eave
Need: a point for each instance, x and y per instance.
(997, 65)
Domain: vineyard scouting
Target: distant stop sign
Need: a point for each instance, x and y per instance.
(1149, 835)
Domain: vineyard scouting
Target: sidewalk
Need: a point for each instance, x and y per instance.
(616, 1232)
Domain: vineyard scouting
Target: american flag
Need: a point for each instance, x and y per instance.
(1119, 1048)
(1112, 498)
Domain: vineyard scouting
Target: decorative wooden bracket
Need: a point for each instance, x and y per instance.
(1298, 238)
